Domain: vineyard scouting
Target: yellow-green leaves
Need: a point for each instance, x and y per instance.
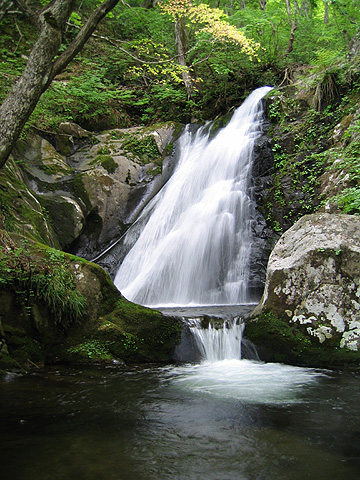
(212, 21)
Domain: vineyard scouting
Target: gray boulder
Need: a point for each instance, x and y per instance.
(313, 288)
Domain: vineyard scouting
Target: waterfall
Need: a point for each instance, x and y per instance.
(216, 344)
(195, 245)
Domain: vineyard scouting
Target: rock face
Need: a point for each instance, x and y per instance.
(88, 184)
(313, 286)
(261, 182)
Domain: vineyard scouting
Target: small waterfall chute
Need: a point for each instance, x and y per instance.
(217, 343)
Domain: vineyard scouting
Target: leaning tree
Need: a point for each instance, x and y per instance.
(44, 61)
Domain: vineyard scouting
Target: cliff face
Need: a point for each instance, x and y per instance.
(86, 186)
(315, 136)
(309, 312)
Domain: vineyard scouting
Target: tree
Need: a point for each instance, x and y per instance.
(207, 20)
(43, 66)
(293, 27)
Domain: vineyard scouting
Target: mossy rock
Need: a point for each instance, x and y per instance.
(139, 333)
(278, 341)
(40, 325)
(7, 363)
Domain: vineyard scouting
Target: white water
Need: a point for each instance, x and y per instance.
(216, 344)
(195, 247)
(247, 380)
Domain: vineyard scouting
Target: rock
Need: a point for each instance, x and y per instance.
(313, 287)
(262, 242)
(67, 135)
(68, 310)
(73, 130)
(67, 217)
(89, 191)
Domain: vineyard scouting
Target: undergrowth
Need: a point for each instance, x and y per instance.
(43, 276)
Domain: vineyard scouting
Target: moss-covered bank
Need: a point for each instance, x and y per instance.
(56, 307)
(278, 341)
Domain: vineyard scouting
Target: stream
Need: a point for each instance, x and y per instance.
(233, 419)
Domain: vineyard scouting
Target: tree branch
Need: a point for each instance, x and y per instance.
(82, 37)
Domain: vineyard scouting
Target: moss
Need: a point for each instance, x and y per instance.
(19, 210)
(279, 341)
(144, 149)
(53, 169)
(93, 350)
(35, 272)
(21, 347)
(142, 334)
(111, 327)
(108, 163)
(78, 189)
(8, 364)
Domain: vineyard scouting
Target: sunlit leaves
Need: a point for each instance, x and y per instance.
(209, 20)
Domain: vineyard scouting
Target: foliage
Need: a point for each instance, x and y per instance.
(349, 200)
(129, 73)
(92, 349)
(45, 277)
(209, 21)
(144, 148)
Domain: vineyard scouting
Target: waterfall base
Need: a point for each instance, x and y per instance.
(213, 333)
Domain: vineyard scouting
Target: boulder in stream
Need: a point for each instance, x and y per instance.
(309, 313)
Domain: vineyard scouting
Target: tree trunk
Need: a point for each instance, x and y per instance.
(292, 29)
(40, 69)
(326, 12)
(182, 44)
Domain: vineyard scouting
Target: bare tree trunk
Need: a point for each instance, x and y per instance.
(326, 11)
(41, 69)
(182, 41)
(292, 29)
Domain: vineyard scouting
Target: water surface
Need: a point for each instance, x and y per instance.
(235, 419)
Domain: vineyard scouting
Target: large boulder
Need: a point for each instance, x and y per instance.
(55, 307)
(88, 185)
(310, 309)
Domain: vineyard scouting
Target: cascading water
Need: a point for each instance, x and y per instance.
(216, 344)
(195, 246)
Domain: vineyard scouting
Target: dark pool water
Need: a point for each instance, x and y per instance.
(229, 420)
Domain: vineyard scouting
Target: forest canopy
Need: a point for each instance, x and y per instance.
(175, 60)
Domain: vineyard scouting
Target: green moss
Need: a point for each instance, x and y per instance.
(52, 169)
(91, 350)
(141, 334)
(78, 189)
(279, 341)
(35, 272)
(21, 347)
(19, 211)
(144, 149)
(108, 163)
